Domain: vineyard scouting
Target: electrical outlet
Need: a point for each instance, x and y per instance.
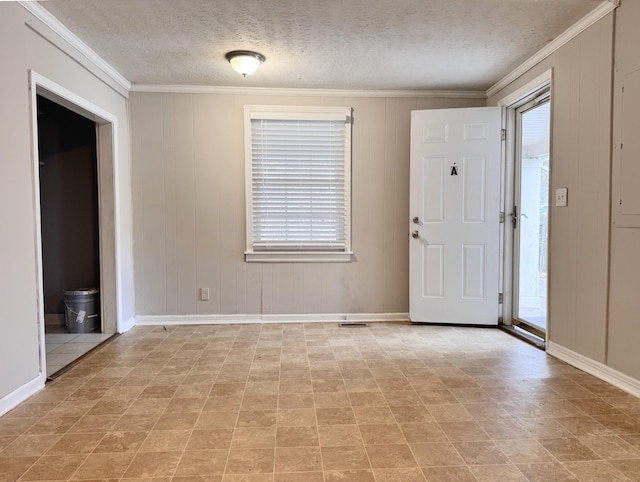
(204, 294)
(561, 197)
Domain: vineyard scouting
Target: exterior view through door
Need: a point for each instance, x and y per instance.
(455, 188)
(531, 214)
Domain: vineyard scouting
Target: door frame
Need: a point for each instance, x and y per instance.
(108, 199)
(510, 103)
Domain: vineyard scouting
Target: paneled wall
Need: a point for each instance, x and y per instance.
(189, 210)
(624, 303)
(581, 161)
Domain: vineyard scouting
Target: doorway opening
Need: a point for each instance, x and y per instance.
(69, 220)
(530, 216)
(101, 173)
(525, 240)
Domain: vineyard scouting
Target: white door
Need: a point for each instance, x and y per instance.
(455, 215)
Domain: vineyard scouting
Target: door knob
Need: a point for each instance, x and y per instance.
(416, 220)
(415, 234)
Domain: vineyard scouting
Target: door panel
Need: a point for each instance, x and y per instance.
(474, 190)
(433, 180)
(455, 196)
(433, 278)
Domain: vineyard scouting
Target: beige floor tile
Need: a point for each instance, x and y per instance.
(295, 400)
(29, 445)
(46, 425)
(382, 434)
(468, 431)
(345, 458)
(411, 414)
(328, 400)
(258, 438)
(135, 423)
(153, 464)
(610, 447)
(121, 442)
(247, 461)
(296, 417)
(629, 467)
(148, 406)
(210, 439)
(165, 441)
(213, 420)
(373, 415)
(595, 471)
(350, 475)
(104, 466)
(436, 454)
(299, 477)
(425, 432)
(256, 418)
(568, 449)
(11, 468)
(545, 472)
(339, 435)
(448, 474)
(526, 451)
(297, 436)
(315, 402)
(335, 416)
(480, 453)
(51, 467)
(390, 456)
(297, 459)
(493, 473)
(94, 423)
(398, 475)
(202, 463)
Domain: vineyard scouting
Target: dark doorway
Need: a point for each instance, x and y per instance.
(69, 221)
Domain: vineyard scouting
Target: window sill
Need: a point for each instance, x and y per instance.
(296, 257)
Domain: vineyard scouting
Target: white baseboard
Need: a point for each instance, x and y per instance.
(20, 394)
(597, 369)
(126, 325)
(152, 320)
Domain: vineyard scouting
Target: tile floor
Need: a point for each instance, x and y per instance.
(316, 402)
(63, 347)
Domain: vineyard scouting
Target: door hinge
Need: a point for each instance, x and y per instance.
(500, 298)
(503, 134)
(501, 217)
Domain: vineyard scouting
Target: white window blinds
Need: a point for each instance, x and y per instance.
(299, 182)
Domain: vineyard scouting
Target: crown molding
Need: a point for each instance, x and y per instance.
(577, 28)
(69, 37)
(205, 89)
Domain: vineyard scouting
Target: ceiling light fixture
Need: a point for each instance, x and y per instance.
(245, 62)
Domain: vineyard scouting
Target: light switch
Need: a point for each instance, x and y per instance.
(561, 197)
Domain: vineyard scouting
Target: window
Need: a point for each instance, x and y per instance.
(298, 183)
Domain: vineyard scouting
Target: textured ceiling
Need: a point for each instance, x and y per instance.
(331, 44)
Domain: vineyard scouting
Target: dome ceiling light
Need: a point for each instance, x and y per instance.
(245, 62)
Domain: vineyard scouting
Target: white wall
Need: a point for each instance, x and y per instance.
(189, 210)
(22, 50)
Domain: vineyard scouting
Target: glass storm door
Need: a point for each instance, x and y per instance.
(531, 215)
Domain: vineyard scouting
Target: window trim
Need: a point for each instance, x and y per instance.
(296, 113)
